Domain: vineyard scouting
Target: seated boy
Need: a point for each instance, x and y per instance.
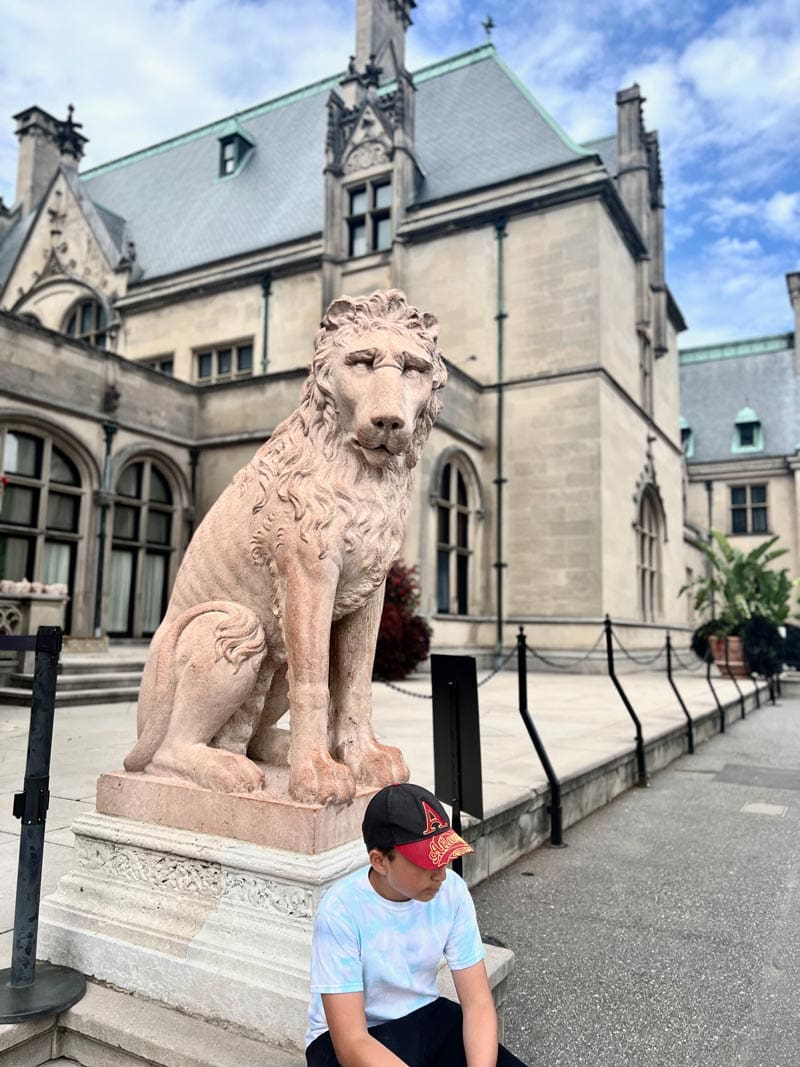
(379, 936)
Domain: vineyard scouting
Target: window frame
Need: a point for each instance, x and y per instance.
(234, 151)
(748, 508)
(41, 532)
(370, 218)
(455, 555)
(649, 564)
(160, 363)
(234, 350)
(97, 334)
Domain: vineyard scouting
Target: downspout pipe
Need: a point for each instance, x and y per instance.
(500, 318)
(105, 500)
(266, 289)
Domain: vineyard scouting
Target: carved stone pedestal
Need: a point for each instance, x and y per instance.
(215, 927)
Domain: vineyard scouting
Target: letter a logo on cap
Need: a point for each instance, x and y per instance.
(433, 821)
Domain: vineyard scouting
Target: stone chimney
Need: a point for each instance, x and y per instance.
(793, 285)
(44, 143)
(381, 35)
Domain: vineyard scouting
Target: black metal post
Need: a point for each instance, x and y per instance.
(555, 810)
(730, 675)
(455, 755)
(754, 679)
(26, 993)
(500, 480)
(684, 709)
(640, 758)
(714, 694)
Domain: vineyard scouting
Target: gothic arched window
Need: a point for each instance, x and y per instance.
(454, 539)
(87, 321)
(648, 555)
(40, 514)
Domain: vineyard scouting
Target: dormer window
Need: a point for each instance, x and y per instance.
(748, 434)
(369, 217)
(687, 438)
(233, 151)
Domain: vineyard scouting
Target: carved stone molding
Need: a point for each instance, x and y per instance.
(365, 155)
(265, 894)
(156, 869)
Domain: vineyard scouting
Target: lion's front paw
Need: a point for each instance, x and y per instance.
(374, 764)
(319, 779)
(211, 768)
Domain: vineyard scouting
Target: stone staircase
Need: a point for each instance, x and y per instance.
(109, 677)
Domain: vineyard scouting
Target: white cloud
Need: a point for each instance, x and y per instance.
(782, 214)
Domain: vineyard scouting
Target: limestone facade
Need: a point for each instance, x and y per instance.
(543, 264)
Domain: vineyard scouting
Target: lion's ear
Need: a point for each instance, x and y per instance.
(339, 309)
(431, 324)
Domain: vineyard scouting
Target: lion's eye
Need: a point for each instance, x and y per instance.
(413, 370)
(359, 359)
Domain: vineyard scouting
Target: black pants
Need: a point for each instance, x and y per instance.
(428, 1037)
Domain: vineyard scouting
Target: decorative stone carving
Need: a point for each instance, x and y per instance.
(142, 866)
(367, 154)
(10, 618)
(277, 603)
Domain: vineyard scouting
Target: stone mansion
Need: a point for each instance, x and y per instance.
(157, 315)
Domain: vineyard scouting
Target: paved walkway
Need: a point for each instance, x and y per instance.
(580, 718)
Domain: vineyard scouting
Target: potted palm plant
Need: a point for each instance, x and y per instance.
(738, 588)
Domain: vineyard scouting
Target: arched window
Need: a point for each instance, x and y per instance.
(142, 543)
(648, 563)
(454, 539)
(40, 512)
(87, 321)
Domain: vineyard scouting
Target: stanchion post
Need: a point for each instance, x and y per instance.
(714, 694)
(640, 757)
(730, 675)
(554, 808)
(684, 709)
(25, 991)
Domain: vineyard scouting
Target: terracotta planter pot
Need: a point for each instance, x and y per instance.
(737, 664)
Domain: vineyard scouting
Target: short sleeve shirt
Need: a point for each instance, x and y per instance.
(388, 950)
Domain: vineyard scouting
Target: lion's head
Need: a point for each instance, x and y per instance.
(375, 378)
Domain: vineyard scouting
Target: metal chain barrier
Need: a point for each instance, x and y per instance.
(428, 696)
(698, 664)
(647, 661)
(570, 663)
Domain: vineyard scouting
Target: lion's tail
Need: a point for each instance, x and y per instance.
(162, 692)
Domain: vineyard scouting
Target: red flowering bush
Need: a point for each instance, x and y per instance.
(404, 638)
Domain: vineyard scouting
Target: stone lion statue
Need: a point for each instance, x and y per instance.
(277, 602)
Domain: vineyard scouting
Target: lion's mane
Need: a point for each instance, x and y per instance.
(292, 472)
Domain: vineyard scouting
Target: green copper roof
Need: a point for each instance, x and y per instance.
(734, 349)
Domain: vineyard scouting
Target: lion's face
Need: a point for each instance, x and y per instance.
(380, 383)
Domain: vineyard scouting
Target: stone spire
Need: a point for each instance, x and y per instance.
(381, 36)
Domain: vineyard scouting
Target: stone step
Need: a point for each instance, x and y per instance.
(70, 697)
(109, 680)
(112, 1029)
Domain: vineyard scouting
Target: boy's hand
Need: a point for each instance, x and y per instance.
(352, 1043)
(480, 1017)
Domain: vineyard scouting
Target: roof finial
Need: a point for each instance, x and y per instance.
(488, 25)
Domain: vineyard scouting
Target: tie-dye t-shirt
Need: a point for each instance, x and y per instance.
(391, 950)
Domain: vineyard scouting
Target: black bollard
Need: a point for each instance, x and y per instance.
(28, 992)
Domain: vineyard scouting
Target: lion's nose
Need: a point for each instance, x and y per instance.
(388, 422)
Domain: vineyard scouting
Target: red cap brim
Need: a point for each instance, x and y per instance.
(436, 851)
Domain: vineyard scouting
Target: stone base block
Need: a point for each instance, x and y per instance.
(265, 818)
(214, 927)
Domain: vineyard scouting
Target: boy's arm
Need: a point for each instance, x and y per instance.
(480, 1017)
(352, 1042)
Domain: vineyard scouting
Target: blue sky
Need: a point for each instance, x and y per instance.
(722, 82)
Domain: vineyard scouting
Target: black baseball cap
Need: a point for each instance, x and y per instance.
(411, 819)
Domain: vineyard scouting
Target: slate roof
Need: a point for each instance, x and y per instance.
(476, 125)
(606, 148)
(11, 245)
(716, 383)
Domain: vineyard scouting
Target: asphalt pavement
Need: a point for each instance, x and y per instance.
(667, 933)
